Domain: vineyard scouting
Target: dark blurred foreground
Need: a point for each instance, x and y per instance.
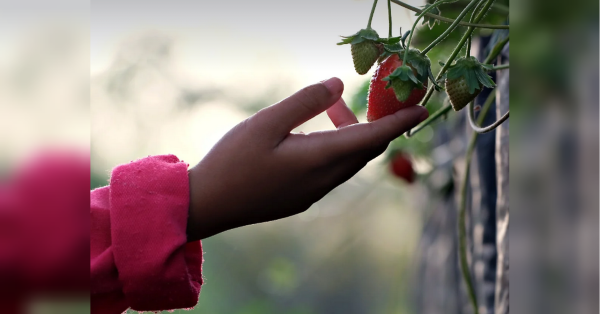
(44, 233)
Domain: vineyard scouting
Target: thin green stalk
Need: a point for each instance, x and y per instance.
(500, 67)
(452, 26)
(468, 52)
(462, 212)
(412, 31)
(390, 18)
(371, 16)
(436, 115)
(496, 50)
(501, 8)
(447, 20)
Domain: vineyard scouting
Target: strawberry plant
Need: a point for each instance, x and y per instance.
(406, 71)
(403, 77)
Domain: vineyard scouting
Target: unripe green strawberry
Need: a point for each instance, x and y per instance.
(465, 80)
(458, 92)
(402, 89)
(365, 47)
(364, 55)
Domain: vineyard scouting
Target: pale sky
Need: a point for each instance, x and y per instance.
(252, 44)
(251, 40)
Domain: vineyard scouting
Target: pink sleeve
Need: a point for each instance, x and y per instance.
(44, 227)
(139, 253)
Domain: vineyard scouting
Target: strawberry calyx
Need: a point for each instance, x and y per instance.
(403, 81)
(417, 61)
(390, 49)
(403, 73)
(422, 64)
(473, 72)
(360, 36)
(365, 48)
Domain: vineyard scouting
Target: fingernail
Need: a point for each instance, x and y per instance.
(334, 85)
(424, 116)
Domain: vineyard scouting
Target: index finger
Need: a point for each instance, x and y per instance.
(279, 119)
(374, 135)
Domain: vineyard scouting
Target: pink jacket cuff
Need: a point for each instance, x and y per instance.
(157, 269)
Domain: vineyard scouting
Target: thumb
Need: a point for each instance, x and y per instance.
(300, 107)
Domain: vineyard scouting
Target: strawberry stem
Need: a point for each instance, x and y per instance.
(447, 20)
(390, 18)
(452, 27)
(500, 67)
(496, 50)
(436, 115)
(371, 16)
(412, 31)
(462, 211)
(478, 129)
(468, 52)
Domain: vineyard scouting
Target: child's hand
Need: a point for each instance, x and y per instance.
(259, 171)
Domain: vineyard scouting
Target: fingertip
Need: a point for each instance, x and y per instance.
(423, 115)
(334, 85)
(418, 113)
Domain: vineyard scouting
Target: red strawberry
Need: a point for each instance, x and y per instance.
(402, 168)
(382, 101)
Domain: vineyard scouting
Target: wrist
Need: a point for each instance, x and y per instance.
(205, 218)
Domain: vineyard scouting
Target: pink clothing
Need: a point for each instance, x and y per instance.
(135, 235)
(139, 253)
(44, 228)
